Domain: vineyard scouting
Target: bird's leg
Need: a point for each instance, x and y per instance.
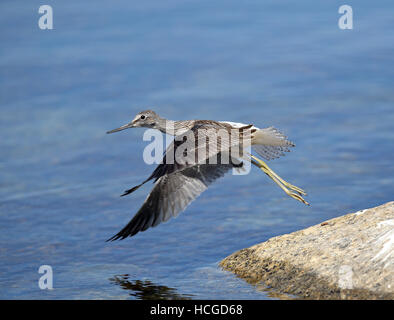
(285, 186)
(285, 183)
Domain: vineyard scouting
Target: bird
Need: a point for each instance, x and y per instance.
(177, 183)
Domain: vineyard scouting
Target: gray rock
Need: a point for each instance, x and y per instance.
(349, 257)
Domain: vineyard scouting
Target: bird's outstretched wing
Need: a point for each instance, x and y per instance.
(171, 194)
(270, 143)
(179, 180)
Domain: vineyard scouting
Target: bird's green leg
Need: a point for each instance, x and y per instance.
(285, 183)
(279, 181)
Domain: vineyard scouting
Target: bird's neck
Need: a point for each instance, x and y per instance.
(166, 126)
(171, 127)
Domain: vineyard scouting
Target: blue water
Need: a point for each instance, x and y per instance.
(285, 64)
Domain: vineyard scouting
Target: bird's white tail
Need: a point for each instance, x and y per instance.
(270, 143)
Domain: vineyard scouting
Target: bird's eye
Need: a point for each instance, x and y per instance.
(142, 117)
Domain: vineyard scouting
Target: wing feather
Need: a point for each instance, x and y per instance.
(171, 194)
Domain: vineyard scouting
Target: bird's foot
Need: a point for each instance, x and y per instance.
(284, 185)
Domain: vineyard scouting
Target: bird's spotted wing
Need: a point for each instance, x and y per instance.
(208, 142)
(214, 137)
(270, 143)
(171, 194)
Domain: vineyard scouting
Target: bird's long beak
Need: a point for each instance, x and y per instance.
(126, 126)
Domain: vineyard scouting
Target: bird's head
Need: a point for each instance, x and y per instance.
(147, 119)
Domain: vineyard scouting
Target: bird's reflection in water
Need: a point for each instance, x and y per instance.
(147, 290)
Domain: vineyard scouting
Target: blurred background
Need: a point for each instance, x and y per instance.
(284, 64)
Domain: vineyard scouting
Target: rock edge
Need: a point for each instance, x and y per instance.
(349, 257)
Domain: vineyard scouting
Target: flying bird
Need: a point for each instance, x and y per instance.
(178, 182)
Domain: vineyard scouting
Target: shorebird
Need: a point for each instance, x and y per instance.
(178, 183)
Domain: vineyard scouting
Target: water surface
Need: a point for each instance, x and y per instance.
(261, 62)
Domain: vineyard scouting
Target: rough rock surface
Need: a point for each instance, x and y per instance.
(349, 257)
